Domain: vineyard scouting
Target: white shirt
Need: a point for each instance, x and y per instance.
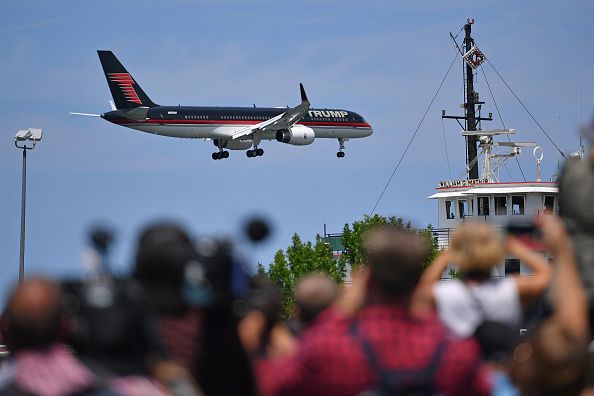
(459, 310)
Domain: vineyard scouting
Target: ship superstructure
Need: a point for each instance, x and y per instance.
(483, 195)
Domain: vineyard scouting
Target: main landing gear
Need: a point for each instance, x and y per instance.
(340, 153)
(220, 155)
(256, 152)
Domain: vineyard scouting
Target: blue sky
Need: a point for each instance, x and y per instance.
(382, 59)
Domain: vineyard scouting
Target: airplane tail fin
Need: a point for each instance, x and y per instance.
(124, 89)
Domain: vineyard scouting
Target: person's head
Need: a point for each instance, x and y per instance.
(395, 258)
(477, 248)
(313, 294)
(163, 251)
(33, 316)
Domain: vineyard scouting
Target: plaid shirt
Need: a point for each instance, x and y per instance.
(330, 359)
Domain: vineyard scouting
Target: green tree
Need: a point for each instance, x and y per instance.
(301, 258)
(354, 234)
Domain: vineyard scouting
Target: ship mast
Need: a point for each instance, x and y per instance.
(471, 99)
(471, 121)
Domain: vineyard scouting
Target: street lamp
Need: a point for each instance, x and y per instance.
(23, 136)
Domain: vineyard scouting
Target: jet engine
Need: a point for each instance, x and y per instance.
(233, 144)
(298, 135)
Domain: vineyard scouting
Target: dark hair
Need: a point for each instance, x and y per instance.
(266, 298)
(395, 257)
(164, 250)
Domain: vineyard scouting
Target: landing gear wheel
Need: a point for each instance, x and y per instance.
(215, 156)
(249, 153)
(259, 152)
(340, 154)
(225, 154)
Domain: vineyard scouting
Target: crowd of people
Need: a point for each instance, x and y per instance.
(191, 321)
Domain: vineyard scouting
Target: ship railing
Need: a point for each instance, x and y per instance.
(531, 213)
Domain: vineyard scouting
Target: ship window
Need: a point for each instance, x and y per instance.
(512, 266)
(449, 210)
(517, 204)
(549, 204)
(483, 206)
(501, 205)
(462, 208)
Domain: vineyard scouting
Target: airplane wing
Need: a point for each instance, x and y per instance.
(281, 121)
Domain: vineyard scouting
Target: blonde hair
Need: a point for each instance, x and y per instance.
(476, 247)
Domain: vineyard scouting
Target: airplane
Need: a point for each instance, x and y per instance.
(232, 128)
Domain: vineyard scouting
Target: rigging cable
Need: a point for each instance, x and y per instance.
(413, 135)
(445, 146)
(525, 108)
(501, 119)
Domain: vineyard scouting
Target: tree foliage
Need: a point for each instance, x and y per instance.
(301, 258)
(298, 260)
(354, 234)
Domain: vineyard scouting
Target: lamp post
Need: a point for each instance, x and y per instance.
(23, 136)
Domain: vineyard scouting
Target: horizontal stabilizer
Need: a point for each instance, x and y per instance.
(86, 114)
(136, 113)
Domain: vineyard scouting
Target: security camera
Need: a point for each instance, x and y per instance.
(33, 134)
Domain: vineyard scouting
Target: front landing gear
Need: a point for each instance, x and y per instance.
(340, 153)
(256, 152)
